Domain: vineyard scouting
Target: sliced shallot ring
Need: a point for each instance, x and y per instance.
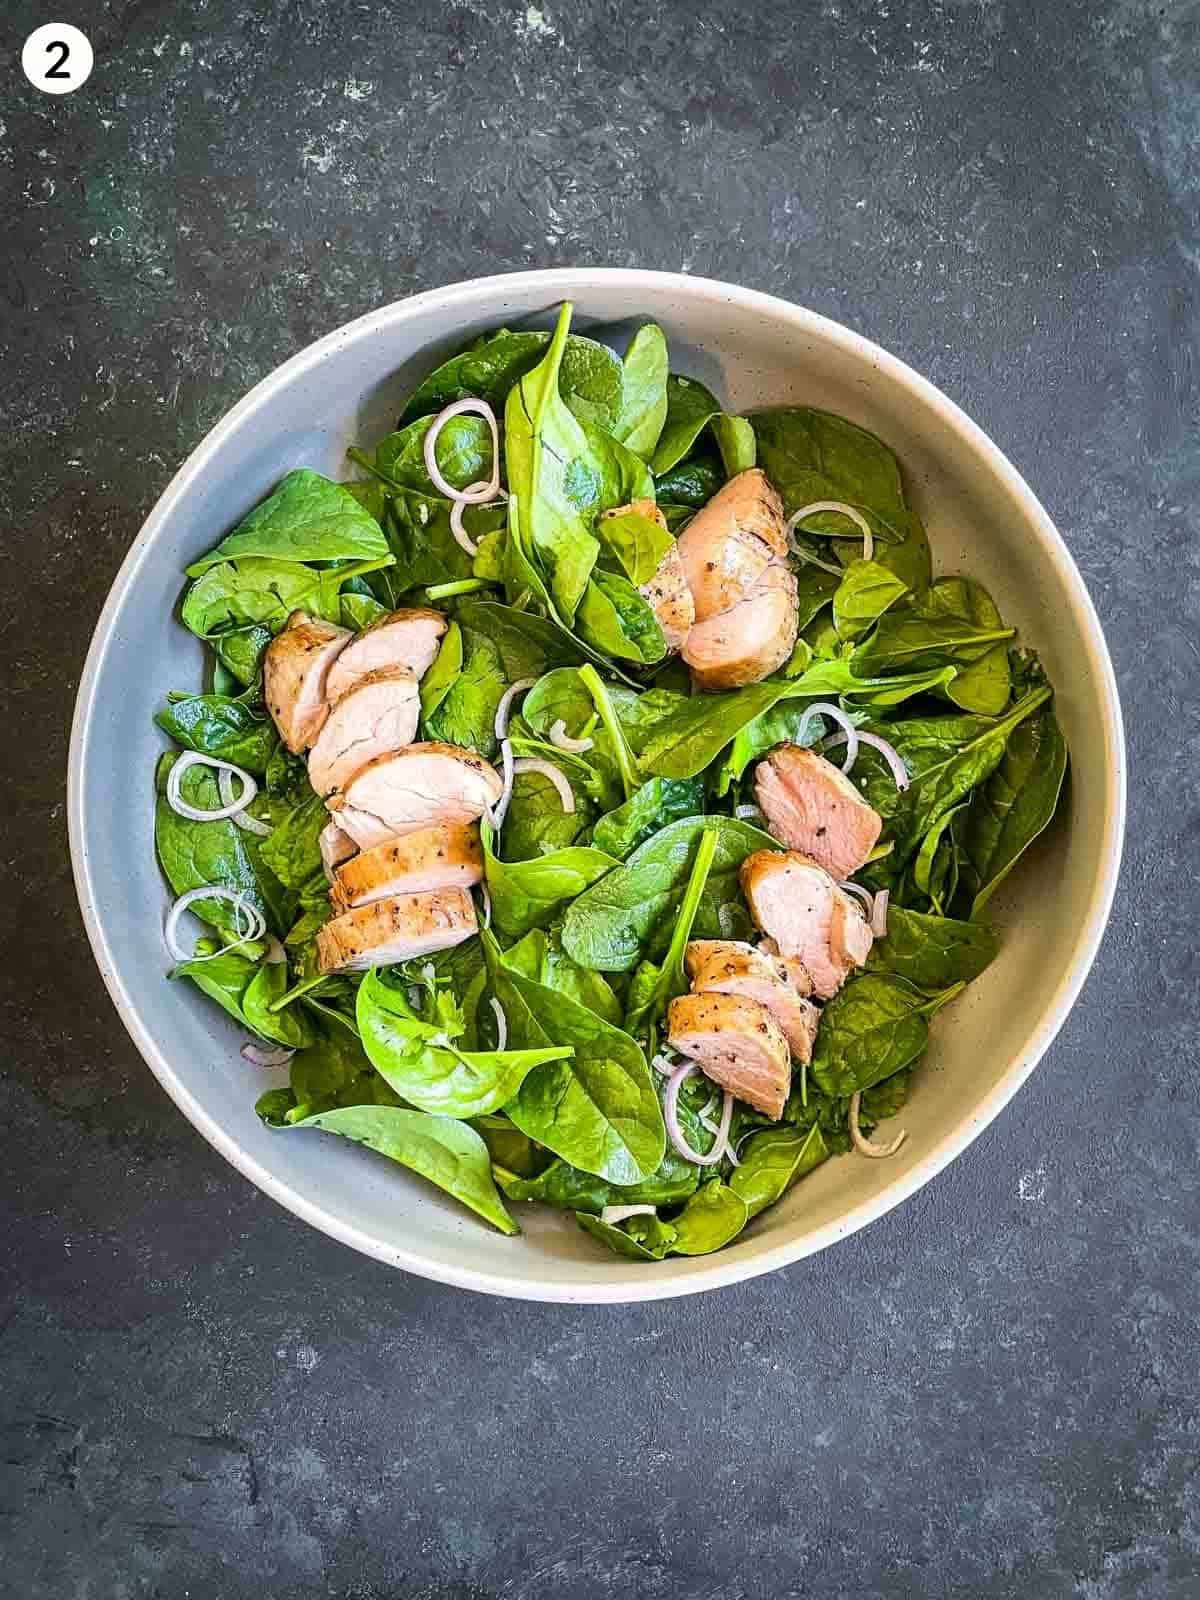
(193, 758)
(859, 893)
(889, 753)
(242, 818)
(501, 1024)
(504, 709)
(267, 1055)
(865, 1146)
(560, 737)
(849, 733)
(479, 493)
(675, 1132)
(461, 537)
(614, 1214)
(500, 810)
(548, 770)
(879, 914)
(257, 923)
(843, 510)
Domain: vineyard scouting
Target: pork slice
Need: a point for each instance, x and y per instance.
(441, 857)
(798, 974)
(755, 976)
(670, 599)
(407, 639)
(798, 905)
(296, 667)
(737, 1043)
(749, 641)
(400, 928)
(335, 847)
(811, 806)
(378, 713)
(413, 788)
(728, 543)
(700, 952)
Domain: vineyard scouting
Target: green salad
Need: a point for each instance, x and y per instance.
(594, 799)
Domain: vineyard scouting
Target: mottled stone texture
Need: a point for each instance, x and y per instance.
(991, 1392)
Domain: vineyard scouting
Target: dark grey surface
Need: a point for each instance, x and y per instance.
(992, 1392)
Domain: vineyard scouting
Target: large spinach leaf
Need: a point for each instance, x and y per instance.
(463, 452)
(983, 685)
(772, 1161)
(1016, 803)
(420, 1062)
(713, 1216)
(263, 591)
(530, 894)
(599, 1110)
(933, 952)
(308, 518)
(446, 1152)
(940, 787)
(643, 392)
(870, 1029)
(865, 592)
(911, 640)
(540, 956)
(650, 807)
(617, 620)
(812, 455)
(221, 726)
(426, 552)
(654, 985)
(613, 924)
(590, 378)
(553, 470)
(293, 849)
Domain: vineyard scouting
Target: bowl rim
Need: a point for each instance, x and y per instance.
(621, 1283)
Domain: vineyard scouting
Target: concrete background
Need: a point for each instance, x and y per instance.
(990, 1393)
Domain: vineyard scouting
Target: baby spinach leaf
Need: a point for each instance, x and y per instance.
(1016, 803)
(735, 441)
(536, 824)
(239, 653)
(515, 1157)
(553, 471)
(568, 1189)
(653, 986)
(643, 391)
(935, 866)
(864, 594)
(599, 1110)
(815, 589)
(870, 1029)
(983, 685)
(652, 806)
(633, 545)
(612, 925)
(529, 894)
(307, 518)
(940, 787)
(421, 1064)
(615, 619)
(711, 1218)
(221, 726)
(910, 641)
(811, 455)
(289, 1026)
(446, 1152)
(933, 952)
(540, 956)
(692, 734)
(223, 978)
(444, 673)
(195, 854)
(292, 850)
(690, 408)
(463, 452)
(652, 1246)
(360, 610)
(590, 378)
(426, 552)
(772, 1161)
(263, 590)
(500, 645)
(690, 483)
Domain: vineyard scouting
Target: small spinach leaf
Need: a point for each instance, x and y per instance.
(530, 894)
(223, 727)
(933, 952)
(643, 391)
(870, 1029)
(650, 807)
(772, 1161)
(713, 1216)
(446, 1152)
(307, 518)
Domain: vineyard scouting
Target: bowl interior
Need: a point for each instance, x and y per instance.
(753, 351)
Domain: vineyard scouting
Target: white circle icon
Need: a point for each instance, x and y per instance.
(57, 58)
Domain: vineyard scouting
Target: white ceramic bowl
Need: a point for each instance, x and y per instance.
(753, 350)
